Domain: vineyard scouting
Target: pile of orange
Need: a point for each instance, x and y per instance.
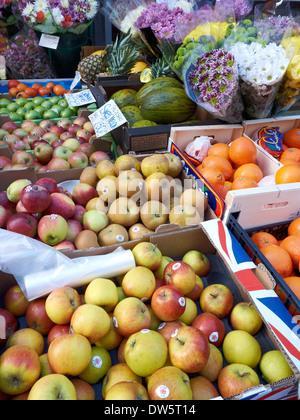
(18, 89)
(284, 256)
(290, 158)
(231, 166)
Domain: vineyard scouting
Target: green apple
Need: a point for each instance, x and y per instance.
(242, 348)
(12, 107)
(147, 255)
(15, 188)
(46, 104)
(98, 366)
(55, 387)
(50, 114)
(22, 112)
(14, 116)
(159, 272)
(29, 105)
(67, 113)
(4, 102)
(54, 100)
(33, 115)
(145, 352)
(38, 100)
(198, 261)
(40, 109)
(274, 366)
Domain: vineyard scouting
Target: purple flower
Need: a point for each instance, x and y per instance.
(214, 78)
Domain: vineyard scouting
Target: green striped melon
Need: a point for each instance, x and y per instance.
(132, 114)
(124, 97)
(143, 123)
(167, 106)
(155, 84)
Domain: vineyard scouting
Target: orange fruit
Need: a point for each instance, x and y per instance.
(31, 92)
(251, 170)
(22, 87)
(44, 91)
(262, 239)
(291, 154)
(50, 86)
(219, 149)
(12, 83)
(288, 174)
(279, 258)
(243, 182)
(219, 163)
(284, 161)
(59, 90)
(213, 176)
(242, 150)
(292, 138)
(293, 282)
(13, 92)
(37, 86)
(294, 227)
(292, 245)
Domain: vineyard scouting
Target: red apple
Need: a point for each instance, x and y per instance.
(74, 228)
(38, 131)
(216, 299)
(10, 139)
(61, 204)
(80, 121)
(3, 216)
(180, 275)
(43, 153)
(189, 349)
(87, 148)
(84, 134)
(50, 137)
(35, 198)
(4, 160)
(57, 330)
(211, 326)
(167, 329)
(36, 142)
(236, 378)
(65, 191)
(6, 203)
(89, 127)
(66, 135)
(57, 143)
(65, 245)
(8, 325)
(49, 183)
(22, 157)
(37, 318)
(197, 290)
(15, 301)
(97, 157)
(79, 212)
(28, 125)
(73, 128)
(168, 303)
(47, 124)
(10, 126)
(83, 193)
(78, 160)
(57, 164)
(20, 145)
(23, 223)
(52, 229)
(64, 123)
(57, 130)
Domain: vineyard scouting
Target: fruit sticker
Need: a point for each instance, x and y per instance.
(115, 322)
(161, 326)
(214, 337)
(176, 266)
(97, 362)
(145, 331)
(181, 301)
(120, 238)
(174, 333)
(162, 391)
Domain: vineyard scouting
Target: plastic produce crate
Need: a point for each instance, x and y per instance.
(279, 230)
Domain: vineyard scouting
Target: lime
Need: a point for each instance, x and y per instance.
(14, 116)
(67, 113)
(13, 107)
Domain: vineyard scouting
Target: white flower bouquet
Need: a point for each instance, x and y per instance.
(59, 16)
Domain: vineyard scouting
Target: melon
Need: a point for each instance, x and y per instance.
(167, 105)
(132, 114)
(143, 123)
(156, 84)
(124, 97)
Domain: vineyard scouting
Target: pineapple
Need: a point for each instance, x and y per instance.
(161, 68)
(90, 67)
(122, 56)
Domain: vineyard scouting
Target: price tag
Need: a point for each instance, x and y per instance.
(107, 118)
(81, 98)
(49, 41)
(76, 80)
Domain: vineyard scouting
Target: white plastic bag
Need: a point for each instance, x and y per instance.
(39, 268)
(198, 148)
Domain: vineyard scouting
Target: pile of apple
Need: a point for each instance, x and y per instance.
(141, 336)
(113, 203)
(49, 146)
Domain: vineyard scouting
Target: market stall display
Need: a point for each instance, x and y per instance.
(149, 202)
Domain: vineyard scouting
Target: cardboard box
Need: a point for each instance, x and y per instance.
(88, 50)
(247, 283)
(249, 206)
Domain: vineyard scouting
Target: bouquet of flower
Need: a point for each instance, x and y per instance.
(59, 16)
(212, 82)
(25, 59)
(8, 12)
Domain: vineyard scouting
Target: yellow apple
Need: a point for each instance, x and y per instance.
(61, 304)
(139, 282)
(112, 339)
(127, 162)
(145, 352)
(147, 255)
(175, 165)
(84, 391)
(107, 189)
(244, 316)
(169, 383)
(131, 315)
(185, 215)
(27, 337)
(128, 391)
(242, 348)
(124, 211)
(91, 321)
(214, 365)
(55, 387)
(98, 366)
(157, 187)
(155, 163)
(102, 292)
(203, 389)
(119, 372)
(195, 198)
(137, 231)
(274, 367)
(129, 183)
(97, 203)
(113, 234)
(69, 354)
(189, 313)
(153, 214)
(104, 168)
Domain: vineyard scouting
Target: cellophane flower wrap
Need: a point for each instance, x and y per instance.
(59, 16)
(212, 82)
(25, 59)
(262, 63)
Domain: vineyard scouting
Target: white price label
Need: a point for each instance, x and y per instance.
(81, 98)
(76, 80)
(107, 118)
(49, 41)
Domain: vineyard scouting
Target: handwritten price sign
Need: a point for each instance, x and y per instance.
(107, 118)
(81, 98)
